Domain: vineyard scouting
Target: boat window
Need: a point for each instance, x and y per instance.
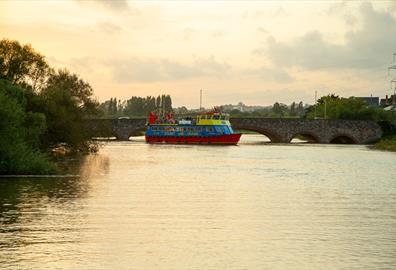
(222, 117)
(216, 117)
(209, 129)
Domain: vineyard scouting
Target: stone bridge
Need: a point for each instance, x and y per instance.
(280, 130)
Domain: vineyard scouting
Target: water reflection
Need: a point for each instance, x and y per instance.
(252, 206)
(29, 207)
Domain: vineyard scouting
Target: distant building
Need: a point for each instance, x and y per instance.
(241, 107)
(388, 101)
(372, 101)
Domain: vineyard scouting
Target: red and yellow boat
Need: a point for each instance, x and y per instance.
(207, 128)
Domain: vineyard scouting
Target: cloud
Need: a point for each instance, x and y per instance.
(218, 33)
(392, 7)
(278, 75)
(262, 31)
(152, 70)
(188, 33)
(108, 27)
(116, 6)
(367, 48)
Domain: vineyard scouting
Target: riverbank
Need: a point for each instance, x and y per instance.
(387, 143)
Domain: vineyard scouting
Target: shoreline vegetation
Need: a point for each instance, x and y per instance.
(387, 143)
(43, 112)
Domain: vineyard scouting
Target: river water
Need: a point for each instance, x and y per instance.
(251, 206)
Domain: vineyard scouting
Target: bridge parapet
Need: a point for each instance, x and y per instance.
(283, 130)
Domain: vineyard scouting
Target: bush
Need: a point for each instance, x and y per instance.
(387, 143)
(19, 141)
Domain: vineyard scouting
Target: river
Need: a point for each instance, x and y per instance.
(251, 206)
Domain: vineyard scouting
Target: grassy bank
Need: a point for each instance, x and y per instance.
(386, 143)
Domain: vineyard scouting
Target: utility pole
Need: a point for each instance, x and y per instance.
(200, 100)
(393, 80)
(325, 109)
(394, 91)
(316, 93)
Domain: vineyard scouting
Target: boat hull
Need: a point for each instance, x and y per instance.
(227, 139)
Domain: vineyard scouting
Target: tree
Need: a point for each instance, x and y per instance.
(113, 106)
(22, 65)
(158, 103)
(39, 108)
(335, 107)
(300, 109)
(19, 134)
(167, 103)
(293, 109)
(182, 110)
(68, 100)
(276, 109)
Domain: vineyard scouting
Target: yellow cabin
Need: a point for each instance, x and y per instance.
(213, 119)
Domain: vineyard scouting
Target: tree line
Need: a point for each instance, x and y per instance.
(333, 106)
(277, 110)
(136, 106)
(330, 106)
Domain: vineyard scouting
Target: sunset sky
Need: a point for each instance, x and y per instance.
(256, 52)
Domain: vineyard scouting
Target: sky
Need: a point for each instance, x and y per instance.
(256, 52)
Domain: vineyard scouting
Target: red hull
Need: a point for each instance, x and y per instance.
(221, 139)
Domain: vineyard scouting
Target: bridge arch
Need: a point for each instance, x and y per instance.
(273, 137)
(136, 132)
(343, 139)
(308, 136)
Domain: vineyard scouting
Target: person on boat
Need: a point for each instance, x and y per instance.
(152, 118)
(169, 118)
